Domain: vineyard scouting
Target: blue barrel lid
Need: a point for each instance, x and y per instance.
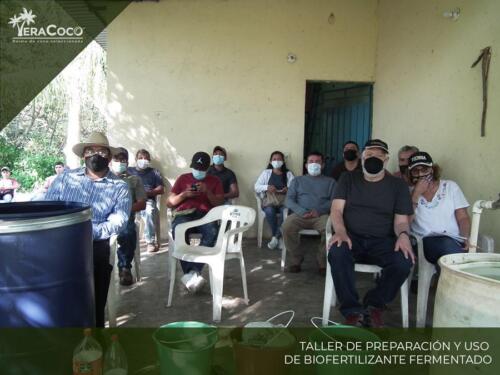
(39, 209)
(29, 216)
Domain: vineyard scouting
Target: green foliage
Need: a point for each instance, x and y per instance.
(33, 141)
(8, 153)
(30, 167)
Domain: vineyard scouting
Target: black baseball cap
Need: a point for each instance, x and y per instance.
(420, 158)
(221, 149)
(121, 151)
(200, 161)
(377, 143)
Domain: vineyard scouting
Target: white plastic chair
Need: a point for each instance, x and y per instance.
(113, 291)
(306, 232)
(228, 246)
(426, 270)
(137, 255)
(157, 219)
(330, 298)
(260, 220)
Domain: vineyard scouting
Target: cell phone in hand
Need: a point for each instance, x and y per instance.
(194, 187)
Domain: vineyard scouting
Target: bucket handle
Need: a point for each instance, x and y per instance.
(186, 340)
(148, 369)
(313, 322)
(291, 312)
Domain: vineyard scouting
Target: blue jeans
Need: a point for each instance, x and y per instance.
(150, 215)
(436, 247)
(127, 240)
(208, 231)
(274, 216)
(378, 251)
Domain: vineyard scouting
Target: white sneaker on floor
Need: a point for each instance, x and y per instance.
(198, 283)
(189, 280)
(273, 243)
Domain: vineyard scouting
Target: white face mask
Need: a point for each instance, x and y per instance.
(118, 167)
(143, 163)
(314, 169)
(277, 164)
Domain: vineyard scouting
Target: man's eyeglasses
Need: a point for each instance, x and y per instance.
(90, 152)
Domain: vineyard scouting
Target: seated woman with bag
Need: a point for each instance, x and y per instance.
(272, 186)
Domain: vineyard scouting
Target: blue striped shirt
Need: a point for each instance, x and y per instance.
(109, 197)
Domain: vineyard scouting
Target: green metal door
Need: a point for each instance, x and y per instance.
(338, 112)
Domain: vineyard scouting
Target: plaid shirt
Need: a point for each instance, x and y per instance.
(109, 197)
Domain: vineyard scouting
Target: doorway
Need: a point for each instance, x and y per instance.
(336, 112)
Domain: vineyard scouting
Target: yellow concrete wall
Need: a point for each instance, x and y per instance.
(427, 94)
(189, 75)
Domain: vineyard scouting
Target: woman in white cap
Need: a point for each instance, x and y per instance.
(440, 206)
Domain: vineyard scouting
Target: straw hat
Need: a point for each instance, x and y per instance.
(95, 139)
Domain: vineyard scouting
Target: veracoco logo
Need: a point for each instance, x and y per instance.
(49, 34)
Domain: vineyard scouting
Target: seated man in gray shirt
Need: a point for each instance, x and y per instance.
(310, 198)
(370, 217)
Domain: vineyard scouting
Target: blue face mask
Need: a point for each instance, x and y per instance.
(218, 159)
(199, 175)
(314, 169)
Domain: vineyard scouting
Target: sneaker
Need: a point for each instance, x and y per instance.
(355, 320)
(294, 269)
(374, 318)
(273, 244)
(152, 248)
(126, 278)
(198, 283)
(188, 279)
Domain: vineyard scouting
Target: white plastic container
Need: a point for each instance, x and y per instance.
(87, 356)
(115, 360)
(468, 293)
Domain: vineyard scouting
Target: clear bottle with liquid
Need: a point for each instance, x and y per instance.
(115, 360)
(87, 356)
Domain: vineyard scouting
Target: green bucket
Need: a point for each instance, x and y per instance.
(344, 334)
(185, 348)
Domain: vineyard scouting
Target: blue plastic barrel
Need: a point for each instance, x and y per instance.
(46, 265)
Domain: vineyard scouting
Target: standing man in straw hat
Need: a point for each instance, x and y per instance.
(108, 195)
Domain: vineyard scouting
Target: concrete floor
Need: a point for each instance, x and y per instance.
(270, 291)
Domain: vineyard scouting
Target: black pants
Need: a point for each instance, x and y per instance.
(102, 277)
(378, 251)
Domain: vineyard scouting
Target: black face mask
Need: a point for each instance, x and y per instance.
(96, 163)
(403, 169)
(373, 165)
(350, 155)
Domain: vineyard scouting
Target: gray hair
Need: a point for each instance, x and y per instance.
(407, 148)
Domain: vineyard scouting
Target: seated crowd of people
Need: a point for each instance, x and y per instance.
(373, 212)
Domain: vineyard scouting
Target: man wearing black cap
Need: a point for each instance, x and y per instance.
(370, 216)
(226, 175)
(191, 197)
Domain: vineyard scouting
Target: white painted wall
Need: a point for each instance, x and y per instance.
(189, 75)
(427, 94)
